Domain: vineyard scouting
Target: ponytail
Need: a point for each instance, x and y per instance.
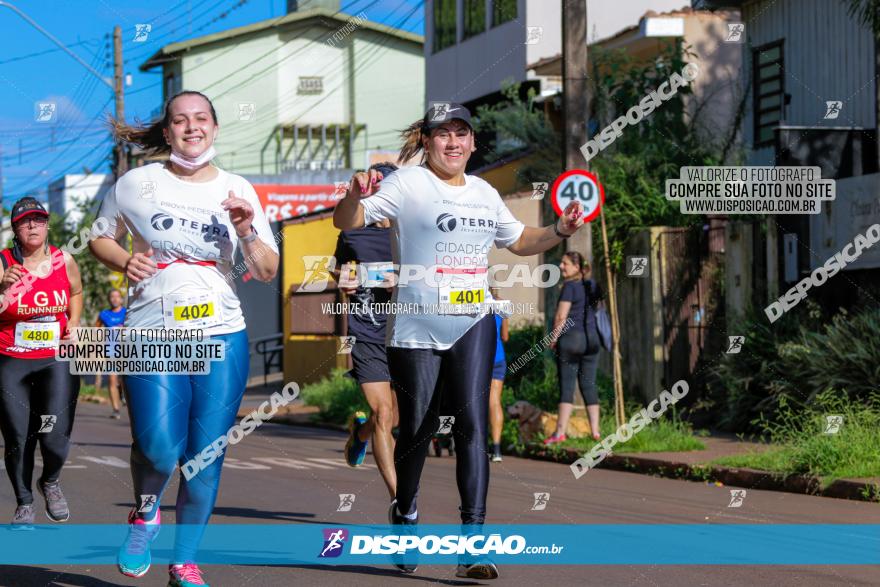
(150, 137)
(412, 142)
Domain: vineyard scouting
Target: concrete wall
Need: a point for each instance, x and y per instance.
(221, 71)
(739, 280)
(718, 87)
(69, 192)
(389, 90)
(530, 299)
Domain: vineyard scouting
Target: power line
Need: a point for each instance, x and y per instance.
(45, 190)
(342, 65)
(48, 165)
(235, 46)
(217, 18)
(47, 51)
(365, 63)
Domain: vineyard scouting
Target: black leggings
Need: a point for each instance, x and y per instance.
(464, 372)
(35, 394)
(577, 362)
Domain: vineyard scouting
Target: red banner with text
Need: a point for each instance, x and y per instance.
(283, 201)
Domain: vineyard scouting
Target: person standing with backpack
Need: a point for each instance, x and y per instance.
(577, 346)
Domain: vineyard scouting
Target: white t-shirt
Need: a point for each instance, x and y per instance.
(182, 220)
(447, 230)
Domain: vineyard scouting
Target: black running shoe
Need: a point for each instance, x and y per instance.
(396, 519)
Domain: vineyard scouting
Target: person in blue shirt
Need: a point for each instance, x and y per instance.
(496, 412)
(114, 317)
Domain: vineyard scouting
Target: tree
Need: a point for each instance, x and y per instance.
(95, 276)
(635, 167)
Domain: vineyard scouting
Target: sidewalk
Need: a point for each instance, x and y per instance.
(296, 412)
(694, 466)
(691, 465)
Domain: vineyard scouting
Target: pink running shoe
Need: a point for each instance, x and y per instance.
(185, 575)
(554, 439)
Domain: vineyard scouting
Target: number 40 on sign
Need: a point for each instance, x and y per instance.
(578, 185)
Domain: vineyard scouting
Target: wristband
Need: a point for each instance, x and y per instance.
(249, 238)
(558, 233)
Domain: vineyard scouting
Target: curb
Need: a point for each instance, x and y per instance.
(747, 478)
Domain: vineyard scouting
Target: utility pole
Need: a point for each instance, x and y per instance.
(575, 102)
(576, 113)
(118, 89)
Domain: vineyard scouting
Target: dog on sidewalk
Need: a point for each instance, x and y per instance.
(532, 420)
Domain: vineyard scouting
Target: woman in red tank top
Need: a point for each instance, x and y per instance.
(40, 301)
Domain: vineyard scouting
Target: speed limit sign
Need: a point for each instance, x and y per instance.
(578, 185)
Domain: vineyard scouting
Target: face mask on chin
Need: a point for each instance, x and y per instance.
(193, 163)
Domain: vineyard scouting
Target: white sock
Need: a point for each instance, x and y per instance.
(411, 516)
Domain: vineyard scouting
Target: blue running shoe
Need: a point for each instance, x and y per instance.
(355, 449)
(133, 558)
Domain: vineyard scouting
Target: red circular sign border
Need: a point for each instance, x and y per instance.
(569, 173)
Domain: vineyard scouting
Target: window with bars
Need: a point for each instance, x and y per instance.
(444, 24)
(769, 93)
(503, 11)
(474, 17)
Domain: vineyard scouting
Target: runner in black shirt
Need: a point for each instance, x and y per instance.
(370, 248)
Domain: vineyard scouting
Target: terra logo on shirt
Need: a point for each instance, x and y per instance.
(163, 221)
(448, 222)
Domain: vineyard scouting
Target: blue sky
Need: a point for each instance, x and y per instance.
(34, 70)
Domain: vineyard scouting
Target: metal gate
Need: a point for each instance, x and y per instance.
(690, 260)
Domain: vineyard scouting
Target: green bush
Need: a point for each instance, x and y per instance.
(852, 452)
(792, 361)
(337, 397)
(535, 381)
(844, 356)
(748, 384)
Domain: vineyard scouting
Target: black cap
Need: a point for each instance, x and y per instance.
(442, 112)
(25, 207)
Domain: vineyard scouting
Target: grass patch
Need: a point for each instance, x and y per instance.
(663, 435)
(85, 389)
(805, 448)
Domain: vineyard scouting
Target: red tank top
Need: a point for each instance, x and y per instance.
(33, 312)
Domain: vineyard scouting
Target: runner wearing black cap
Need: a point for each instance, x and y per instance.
(41, 294)
(444, 223)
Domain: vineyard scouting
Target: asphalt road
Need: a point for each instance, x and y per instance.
(293, 475)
